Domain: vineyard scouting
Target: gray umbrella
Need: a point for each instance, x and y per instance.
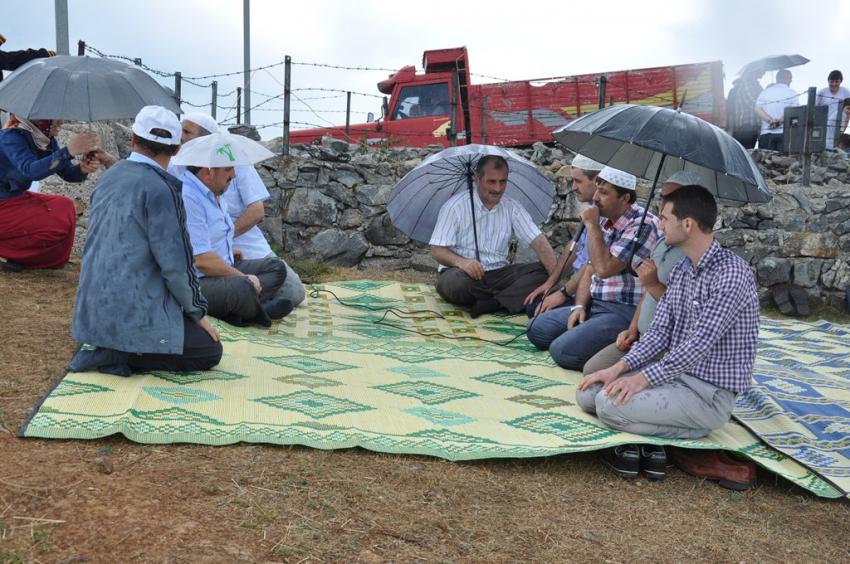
(772, 63)
(81, 89)
(653, 142)
(416, 200)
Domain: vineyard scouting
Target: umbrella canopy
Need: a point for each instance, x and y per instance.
(81, 89)
(415, 201)
(654, 142)
(219, 150)
(772, 63)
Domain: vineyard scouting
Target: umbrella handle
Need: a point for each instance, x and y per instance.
(633, 244)
(472, 207)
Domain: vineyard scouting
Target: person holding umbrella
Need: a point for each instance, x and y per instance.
(608, 292)
(37, 230)
(770, 108)
(139, 303)
(472, 248)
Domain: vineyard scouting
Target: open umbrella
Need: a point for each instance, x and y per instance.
(772, 63)
(415, 201)
(219, 150)
(81, 89)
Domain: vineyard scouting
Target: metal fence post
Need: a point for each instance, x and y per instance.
(178, 79)
(287, 76)
(807, 141)
(603, 82)
(348, 117)
(238, 105)
(839, 118)
(214, 102)
(484, 120)
(452, 131)
(81, 48)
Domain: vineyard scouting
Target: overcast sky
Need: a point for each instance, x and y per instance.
(513, 41)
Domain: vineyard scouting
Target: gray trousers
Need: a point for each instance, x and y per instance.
(233, 298)
(686, 408)
(292, 289)
(607, 357)
(509, 285)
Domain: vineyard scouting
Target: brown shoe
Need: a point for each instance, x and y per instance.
(716, 465)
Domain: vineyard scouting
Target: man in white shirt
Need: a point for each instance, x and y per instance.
(487, 282)
(833, 97)
(244, 204)
(770, 108)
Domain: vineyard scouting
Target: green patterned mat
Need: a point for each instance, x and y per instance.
(329, 377)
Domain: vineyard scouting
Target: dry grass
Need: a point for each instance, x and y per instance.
(251, 503)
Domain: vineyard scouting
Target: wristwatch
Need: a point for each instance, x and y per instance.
(563, 290)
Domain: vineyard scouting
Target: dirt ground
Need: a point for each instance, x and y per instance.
(116, 501)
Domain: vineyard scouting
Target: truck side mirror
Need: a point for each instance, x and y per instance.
(370, 117)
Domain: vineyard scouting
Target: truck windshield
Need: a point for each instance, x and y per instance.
(423, 100)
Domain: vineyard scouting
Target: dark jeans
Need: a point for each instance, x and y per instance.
(771, 141)
(233, 298)
(509, 285)
(200, 352)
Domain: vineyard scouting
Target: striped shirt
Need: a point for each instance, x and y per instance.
(707, 321)
(625, 288)
(495, 227)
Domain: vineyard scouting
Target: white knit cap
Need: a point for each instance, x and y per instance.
(618, 178)
(204, 120)
(584, 163)
(157, 117)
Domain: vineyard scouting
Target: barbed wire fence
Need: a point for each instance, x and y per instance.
(230, 104)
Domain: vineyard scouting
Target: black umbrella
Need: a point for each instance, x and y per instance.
(81, 89)
(649, 142)
(772, 63)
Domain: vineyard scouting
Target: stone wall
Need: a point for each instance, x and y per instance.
(328, 203)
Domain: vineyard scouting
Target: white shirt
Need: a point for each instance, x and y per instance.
(246, 188)
(495, 227)
(834, 103)
(773, 100)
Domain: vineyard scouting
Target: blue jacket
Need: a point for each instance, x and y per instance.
(21, 163)
(137, 279)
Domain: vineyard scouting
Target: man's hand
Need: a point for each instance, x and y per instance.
(539, 291)
(104, 158)
(622, 390)
(603, 377)
(590, 216)
(255, 281)
(89, 164)
(577, 317)
(627, 338)
(473, 268)
(551, 301)
(82, 143)
(205, 324)
(648, 273)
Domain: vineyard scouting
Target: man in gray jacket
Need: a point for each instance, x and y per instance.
(139, 304)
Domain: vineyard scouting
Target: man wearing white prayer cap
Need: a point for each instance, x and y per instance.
(244, 201)
(608, 292)
(583, 172)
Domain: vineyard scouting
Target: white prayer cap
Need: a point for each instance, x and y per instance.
(204, 120)
(618, 178)
(584, 163)
(157, 117)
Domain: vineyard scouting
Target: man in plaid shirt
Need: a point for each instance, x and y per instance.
(707, 322)
(607, 289)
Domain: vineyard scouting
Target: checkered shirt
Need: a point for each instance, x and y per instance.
(623, 287)
(707, 321)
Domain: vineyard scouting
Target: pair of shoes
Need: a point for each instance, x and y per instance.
(277, 308)
(623, 459)
(782, 299)
(653, 462)
(480, 307)
(800, 300)
(108, 361)
(716, 465)
(9, 266)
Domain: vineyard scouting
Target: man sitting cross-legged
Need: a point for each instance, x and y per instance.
(488, 284)
(707, 322)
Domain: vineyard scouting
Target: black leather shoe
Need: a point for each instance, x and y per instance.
(653, 462)
(623, 459)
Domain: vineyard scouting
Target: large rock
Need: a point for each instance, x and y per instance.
(347, 177)
(772, 271)
(336, 247)
(822, 245)
(837, 277)
(311, 207)
(381, 231)
(806, 272)
(373, 195)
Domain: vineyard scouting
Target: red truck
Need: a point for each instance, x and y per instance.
(442, 106)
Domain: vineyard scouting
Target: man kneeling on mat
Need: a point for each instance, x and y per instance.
(707, 322)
